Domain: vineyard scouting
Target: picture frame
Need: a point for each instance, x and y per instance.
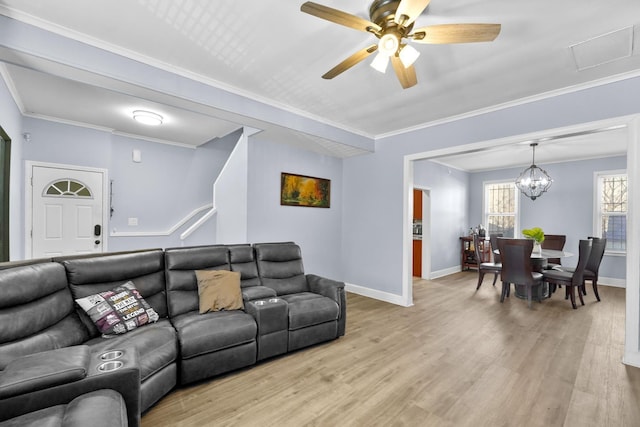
(304, 191)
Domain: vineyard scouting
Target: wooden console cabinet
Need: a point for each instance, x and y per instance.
(468, 252)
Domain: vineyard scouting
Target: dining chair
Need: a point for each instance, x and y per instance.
(484, 266)
(593, 265)
(516, 266)
(555, 242)
(493, 239)
(571, 279)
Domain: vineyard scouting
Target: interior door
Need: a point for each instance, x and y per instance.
(67, 211)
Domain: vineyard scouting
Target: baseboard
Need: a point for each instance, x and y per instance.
(631, 359)
(609, 281)
(445, 272)
(376, 294)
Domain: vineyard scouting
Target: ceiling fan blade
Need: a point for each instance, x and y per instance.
(456, 33)
(409, 10)
(338, 17)
(407, 76)
(350, 62)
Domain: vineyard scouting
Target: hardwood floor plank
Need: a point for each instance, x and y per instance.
(456, 358)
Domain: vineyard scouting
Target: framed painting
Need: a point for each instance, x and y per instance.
(301, 190)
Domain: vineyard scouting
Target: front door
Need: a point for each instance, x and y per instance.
(67, 211)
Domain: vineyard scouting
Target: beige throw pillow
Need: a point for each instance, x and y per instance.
(219, 290)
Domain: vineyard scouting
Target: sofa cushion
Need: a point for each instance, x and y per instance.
(204, 333)
(243, 260)
(118, 310)
(156, 344)
(100, 408)
(308, 309)
(182, 285)
(219, 290)
(90, 275)
(280, 267)
(36, 311)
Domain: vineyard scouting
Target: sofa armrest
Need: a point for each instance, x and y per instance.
(257, 292)
(125, 380)
(334, 290)
(325, 287)
(44, 370)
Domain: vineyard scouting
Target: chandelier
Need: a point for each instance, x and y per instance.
(533, 181)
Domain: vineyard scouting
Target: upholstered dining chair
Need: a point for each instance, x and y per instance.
(516, 266)
(571, 279)
(484, 266)
(555, 242)
(593, 265)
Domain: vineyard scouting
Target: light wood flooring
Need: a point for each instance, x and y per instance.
(456, 358)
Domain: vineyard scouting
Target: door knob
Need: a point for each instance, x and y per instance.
(97, 242)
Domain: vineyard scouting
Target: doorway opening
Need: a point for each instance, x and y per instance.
(421, 232)
(632, 289)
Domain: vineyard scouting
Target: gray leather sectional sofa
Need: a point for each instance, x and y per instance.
(284, 310)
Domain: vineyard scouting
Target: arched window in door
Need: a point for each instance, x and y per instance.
(68, 188)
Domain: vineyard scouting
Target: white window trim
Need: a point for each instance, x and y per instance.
(485, 214)
(597, 223)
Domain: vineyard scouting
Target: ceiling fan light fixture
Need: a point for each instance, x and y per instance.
(380, 62)
(408, 55)
(147, 117)
(388, 44)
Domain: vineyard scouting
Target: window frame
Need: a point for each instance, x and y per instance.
(516, 197)
(597, 211)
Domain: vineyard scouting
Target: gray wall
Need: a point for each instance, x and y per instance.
(567, 208)
(449, 217)
(373, 184)
(168, 184)
(318, 231)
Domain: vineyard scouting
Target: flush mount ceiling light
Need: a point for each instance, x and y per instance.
(533, 181)
(147, 117)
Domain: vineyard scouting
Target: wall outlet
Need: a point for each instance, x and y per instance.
(132, 221)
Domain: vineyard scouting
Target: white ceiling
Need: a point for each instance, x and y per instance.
(270, 51)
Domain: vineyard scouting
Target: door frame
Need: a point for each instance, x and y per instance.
(4, 193)
(28, 200)
(632, 288)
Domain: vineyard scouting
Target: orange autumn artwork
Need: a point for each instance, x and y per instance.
(301, 190)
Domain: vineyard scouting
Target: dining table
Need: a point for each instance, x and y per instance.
(538, 262)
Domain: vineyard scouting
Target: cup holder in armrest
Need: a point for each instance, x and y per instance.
(260, 302)
(111, 365)
(111, 355)
(274, 299)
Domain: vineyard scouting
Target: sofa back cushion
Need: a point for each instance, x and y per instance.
(36, 311)
(182, 285)
(280, 267)
(88, 276)
(243, 260)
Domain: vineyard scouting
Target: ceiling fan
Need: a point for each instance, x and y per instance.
(392, 22)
